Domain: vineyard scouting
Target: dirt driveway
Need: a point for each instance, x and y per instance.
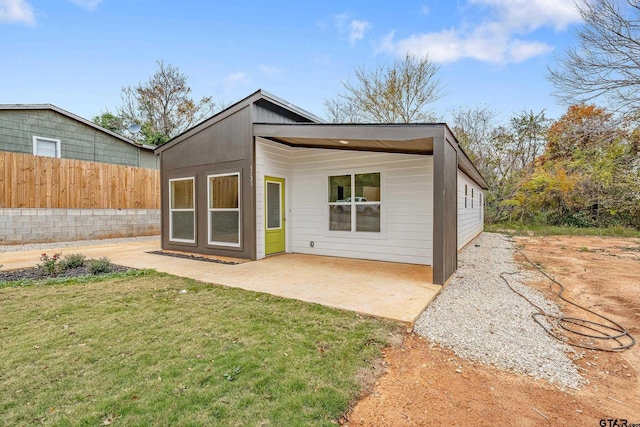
(432, 386)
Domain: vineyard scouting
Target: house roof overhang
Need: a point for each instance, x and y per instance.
(389, 138)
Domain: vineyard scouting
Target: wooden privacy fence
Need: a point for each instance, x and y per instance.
(28, 181)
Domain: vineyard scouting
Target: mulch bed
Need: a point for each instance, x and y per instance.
(35, 273)
(193, 257)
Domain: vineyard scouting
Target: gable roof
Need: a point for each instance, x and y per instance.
(260, 97)
(72, 116)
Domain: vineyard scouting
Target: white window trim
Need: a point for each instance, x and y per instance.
(353, 233)
(238, 209)
(42, 138)
(171, 211)
(267, 181)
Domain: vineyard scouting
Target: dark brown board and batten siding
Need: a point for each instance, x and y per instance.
(225, 146)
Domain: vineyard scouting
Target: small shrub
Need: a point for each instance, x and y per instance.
(50, 265)
(73, 261)
(99, 266)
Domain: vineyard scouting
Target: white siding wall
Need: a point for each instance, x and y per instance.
(406, 212)
(272, 160)
(471, 216)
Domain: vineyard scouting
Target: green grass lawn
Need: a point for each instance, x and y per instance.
(132, 350)
(550, 230)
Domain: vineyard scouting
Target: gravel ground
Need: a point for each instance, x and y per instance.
(481, 319)
(47, 246)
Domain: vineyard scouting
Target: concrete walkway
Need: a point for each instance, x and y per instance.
(390, 290)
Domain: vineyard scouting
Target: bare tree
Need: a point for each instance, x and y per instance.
(339, 110)
(162, 106)
(607, 61)
(530, 137)
(391, 94)
(502, 153)
(474, 128)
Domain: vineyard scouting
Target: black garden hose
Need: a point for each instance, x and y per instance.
(603, 332)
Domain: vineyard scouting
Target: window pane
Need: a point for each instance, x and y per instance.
(368, 218)
(224, 192)
(225, 226)
(340, 188)
(340, 218)
(368, 187)
(182, 225)
(182, 194)
(273, 205)
(46, 148)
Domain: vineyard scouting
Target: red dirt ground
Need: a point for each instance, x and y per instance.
(421, 386)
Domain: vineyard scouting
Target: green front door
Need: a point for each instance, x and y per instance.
(274, 215)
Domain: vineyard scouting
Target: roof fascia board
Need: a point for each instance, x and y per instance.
(347, 131)
(232, 109)
(466, 165)
(291, 107)
(221, 115)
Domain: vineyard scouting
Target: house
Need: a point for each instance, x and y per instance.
(46, 130)
(65, 178)
(264, 177)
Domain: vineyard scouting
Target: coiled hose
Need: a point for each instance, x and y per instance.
(613, 336)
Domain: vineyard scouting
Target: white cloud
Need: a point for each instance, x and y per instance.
(357, 30)
(532, 14)
(238, 78)
(87, 4)
(425, 10)
(519, 51)
(492, 39)
(269, 70)
(16, 11)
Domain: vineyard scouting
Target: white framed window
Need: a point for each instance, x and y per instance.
(273, 190)
(47, 147)
(465, 196)
(471, 197)
(355, 202)
(224, 221)
(182, 212)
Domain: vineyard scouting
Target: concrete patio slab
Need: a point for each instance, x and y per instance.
(383, 289)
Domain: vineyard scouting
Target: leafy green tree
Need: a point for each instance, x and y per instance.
(111, 122)
(588, 176)
(398, 93)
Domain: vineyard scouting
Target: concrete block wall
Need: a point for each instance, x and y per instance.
(19, 226)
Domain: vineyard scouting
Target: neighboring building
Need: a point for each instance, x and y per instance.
(95, 189)
(264, 177)
(46, 130)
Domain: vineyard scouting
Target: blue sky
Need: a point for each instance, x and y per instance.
(78, 54)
